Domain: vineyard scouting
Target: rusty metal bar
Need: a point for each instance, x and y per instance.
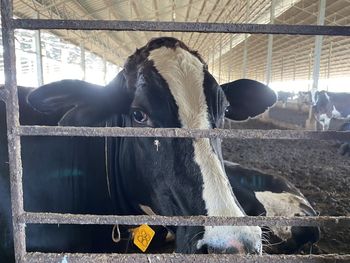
(200, 258)
(180, 27)
(55, 218)
(12, 118)
(183, 133)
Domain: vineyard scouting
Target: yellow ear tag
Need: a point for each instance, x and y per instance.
(143, 236)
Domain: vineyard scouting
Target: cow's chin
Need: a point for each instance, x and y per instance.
(193, 240)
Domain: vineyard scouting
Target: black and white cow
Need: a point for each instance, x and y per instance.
(331, 105)
(163, 84)
(273, 195)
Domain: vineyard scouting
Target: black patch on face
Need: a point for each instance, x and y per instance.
(153, 95)
(215, 99)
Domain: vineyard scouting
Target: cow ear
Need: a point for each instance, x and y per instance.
(82, 103)
(247, 98)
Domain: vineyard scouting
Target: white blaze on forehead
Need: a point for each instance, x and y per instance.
(184, 74)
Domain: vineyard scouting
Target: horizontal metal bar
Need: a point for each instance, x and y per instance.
(54, 218)
(3, 94)
(202, 258)
(180, 27)
(183, 133)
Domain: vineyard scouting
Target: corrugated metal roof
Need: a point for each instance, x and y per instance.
(292, 55)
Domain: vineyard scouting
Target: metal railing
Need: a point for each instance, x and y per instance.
(15, 131)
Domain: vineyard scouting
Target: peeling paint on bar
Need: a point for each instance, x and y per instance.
(170, 258)
(55, 218)
(180, 27)
(184, 133)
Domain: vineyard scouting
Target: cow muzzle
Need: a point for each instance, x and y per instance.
(232, 240)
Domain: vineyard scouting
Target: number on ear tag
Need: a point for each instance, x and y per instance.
(143, 236)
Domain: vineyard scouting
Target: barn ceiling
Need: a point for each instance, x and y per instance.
(292, 55)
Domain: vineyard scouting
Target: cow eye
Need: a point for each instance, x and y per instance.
(139, 116)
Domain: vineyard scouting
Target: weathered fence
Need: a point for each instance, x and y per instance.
(15, 131)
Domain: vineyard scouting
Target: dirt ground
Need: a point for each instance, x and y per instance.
(315, 167)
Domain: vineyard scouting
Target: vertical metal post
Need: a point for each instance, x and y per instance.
(39, 58)
(82, 60)
(266, 115)
(220, 59)
(244, 64)
(245, 51)
(12, 118)
(311, 122)
(318, 48)
(270, 44)
(329, 63)
(309, 71)
(230, 67)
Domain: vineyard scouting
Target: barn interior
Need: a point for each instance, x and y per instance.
(287, 63)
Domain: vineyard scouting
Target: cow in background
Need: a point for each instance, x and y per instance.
(331, 105)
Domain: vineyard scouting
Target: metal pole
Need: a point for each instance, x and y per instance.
(329, 63)
(245, 51)
(309, 72)
(270, 44)
(199, 27)
(82, 60)
(230, 67)
(39, 58)
(12, 118)
(220, 59)
(318, 48)
(244, 64)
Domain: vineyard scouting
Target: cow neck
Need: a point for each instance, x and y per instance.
(117, 194)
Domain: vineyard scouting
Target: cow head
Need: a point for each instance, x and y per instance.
(322, 109)
(165, 84)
